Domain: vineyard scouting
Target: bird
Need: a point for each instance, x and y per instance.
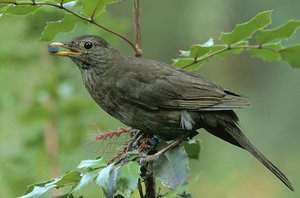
(157, 98)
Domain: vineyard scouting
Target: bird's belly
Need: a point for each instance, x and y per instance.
(166, 123)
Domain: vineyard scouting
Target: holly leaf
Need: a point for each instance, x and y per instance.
(235, 49)
(172, 168)
(199, 50)
(20, 9)
(180, 62)
(185, 53)
(106, 179)
(270, 52)
(40, 184)
(68, 195)
(2, 8)
(192, 148)
(180, 190)
(283, 32)
(86, 178)
(64, 1)
(291, 55)
(92, 164)
(127, 178)
(68, 178)
(67, 24)
(188, 63)
(246, 30)
(38, 191)
(93, 8)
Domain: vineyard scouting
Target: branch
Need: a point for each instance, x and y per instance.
(140, 188)
(151, 158)
(90, 20)
(137, 23)
(208, 56)
(150, 182)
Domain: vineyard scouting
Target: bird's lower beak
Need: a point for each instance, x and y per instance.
(54, 50)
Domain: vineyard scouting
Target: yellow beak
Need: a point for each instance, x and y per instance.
(73, 51)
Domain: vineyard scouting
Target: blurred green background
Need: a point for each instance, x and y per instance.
(46, 113)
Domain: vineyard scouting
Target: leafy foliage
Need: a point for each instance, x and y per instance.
(246, 30)
(67, 24)
(268, 47)
(75, 11)
(113, 179)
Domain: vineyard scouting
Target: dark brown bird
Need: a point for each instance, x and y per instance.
(157, 98)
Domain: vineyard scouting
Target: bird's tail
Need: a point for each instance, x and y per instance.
(234, 135)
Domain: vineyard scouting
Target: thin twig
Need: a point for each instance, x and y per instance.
(151, 158)
(137, 25)
(90, 20)
(207, 56)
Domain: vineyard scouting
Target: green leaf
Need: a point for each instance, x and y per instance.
(185, 53)
(246, 30)
(2, 8)
(20, 10)
(67, 24)
(68, 178)
(181, 189)
(234, 49)
(283, 32)
(218, 47)
(7, 3)
(23, 1)
(192, 148)
(36, 190)
(106, 179)
(267, 53)
(195, 66)
(180, 62)
(95, 7)
(86, 178)
(39, 191)
(188, 63)
(93, 164)
(68, 195)
(172, 168)
(40, 184)
(291, 55)
(127, 178)
(65, 1)
(199, 50)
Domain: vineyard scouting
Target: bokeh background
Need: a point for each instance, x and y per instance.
(46, 113)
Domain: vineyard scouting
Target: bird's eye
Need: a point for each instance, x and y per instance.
(88, 45)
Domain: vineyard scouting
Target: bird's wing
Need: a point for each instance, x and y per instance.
(156, 85)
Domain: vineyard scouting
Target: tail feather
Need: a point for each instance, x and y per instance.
(245, 143)
(223, 124)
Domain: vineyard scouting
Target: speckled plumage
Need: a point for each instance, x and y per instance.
(159, 99)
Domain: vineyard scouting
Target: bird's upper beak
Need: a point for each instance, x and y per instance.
(73, 50)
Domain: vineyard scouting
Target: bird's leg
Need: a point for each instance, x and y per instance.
(134, 141)
(130, 146)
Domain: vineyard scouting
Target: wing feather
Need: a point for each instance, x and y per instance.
(166, 87)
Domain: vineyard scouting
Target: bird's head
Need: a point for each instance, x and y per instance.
(86, 51)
